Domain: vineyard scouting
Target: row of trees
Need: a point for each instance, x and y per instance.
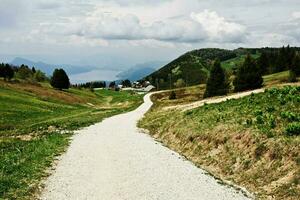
(59, 79)
(249, 74)
(23, 72)
(94, 84)
(274, 60)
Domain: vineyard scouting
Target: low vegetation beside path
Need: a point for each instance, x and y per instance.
(36, 124)
(253, 141)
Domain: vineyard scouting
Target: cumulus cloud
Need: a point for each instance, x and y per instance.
(197, 27)
(218, 28)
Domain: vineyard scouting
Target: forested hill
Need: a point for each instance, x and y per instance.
(193, 67)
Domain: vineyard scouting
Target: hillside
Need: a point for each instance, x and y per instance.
(247, 141)
(37, 123)
(193, 67)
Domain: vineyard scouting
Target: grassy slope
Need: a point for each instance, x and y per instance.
(235, 62)
(229, 139)
(31, 122)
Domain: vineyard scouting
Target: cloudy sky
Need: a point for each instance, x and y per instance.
(120, 33)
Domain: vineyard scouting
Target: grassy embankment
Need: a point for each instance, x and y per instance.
(36, 124)
(246, 141)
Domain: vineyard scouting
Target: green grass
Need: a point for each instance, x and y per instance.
(235, 62)
(272, 79)
(31, 122)
(251, 141)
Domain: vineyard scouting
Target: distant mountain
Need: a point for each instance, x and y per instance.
(139, 71)
(49, 68)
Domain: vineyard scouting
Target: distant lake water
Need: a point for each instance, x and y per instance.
(95, 75)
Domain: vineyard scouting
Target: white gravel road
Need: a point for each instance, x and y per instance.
(112, 160)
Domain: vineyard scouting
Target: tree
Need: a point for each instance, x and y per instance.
(60, 79)
(39, 76)
(263, 63)
(126, 83)
(2, 71)
(216, 83)
(295, 67)
(179, 83)
(112, 84)
(33, 70)
(24, 72)
(248, 76)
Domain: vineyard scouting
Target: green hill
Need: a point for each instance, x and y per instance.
(192, 68)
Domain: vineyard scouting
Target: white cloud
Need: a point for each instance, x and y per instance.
(193, 28)
(218, 28)
(296, 15)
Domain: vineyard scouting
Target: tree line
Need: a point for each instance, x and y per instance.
(93, 84)
(22, 72)
(249, 73)
(58, 80)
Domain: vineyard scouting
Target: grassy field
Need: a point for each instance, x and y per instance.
(249, 141)
(235, 62)
(36, 124)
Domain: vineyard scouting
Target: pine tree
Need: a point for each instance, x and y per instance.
(264, 63)
(296, 65)
(8, 72)
(60, 79)
(248, 76)
(216, 83)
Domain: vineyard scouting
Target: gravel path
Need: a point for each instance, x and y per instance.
(112, 160)
(197, 104)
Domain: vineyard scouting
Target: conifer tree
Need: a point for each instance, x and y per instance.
(248, 76)
(60, 79)
(216, 83)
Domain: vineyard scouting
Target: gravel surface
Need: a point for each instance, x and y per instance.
(113, 160)
(213, 100)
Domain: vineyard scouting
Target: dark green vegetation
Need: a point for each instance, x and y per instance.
(194, 67)
(36, 123)
(216, 84)
(60, 79)
(249, 76)
(249, 141)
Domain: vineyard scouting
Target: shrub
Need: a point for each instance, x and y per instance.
(39, 76)
(60, 79)
(24, 72)
(293, 129)
(172, 95)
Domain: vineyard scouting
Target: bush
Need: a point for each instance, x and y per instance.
(39, 76)
(172, 95)
(24, 73)
(248, 76)
(60, 79)
(293, 129)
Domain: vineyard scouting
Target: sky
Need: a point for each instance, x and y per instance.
(117, 34)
